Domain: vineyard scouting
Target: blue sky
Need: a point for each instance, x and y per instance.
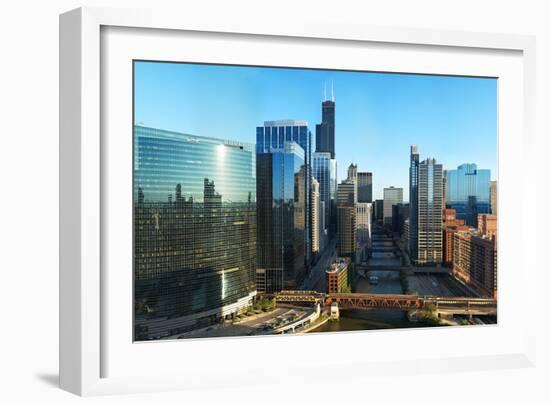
(378, 115)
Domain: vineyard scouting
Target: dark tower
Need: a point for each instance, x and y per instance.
(413, 203)
(324, 131)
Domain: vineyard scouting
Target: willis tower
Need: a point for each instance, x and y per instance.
(324, 131)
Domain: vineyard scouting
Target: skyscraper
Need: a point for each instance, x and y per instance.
(281, 211)
(364, 220)
(392, 196)
(194, 230)
(346, 219)
(430, 212)
(273, 135)
(468, 192)
(324, 171)
(315, 218)
(413, 202)
(364, 187)
(352, 177)
(324, 131)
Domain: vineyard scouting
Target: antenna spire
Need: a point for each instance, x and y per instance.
(332, 91)
(324, 91)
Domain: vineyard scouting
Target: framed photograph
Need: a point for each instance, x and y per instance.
(242, 198)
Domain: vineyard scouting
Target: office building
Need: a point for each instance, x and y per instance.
(392, 196)
(346, 219)
(493, 197)
(400, 213)
(475, 261)
(281, 211)
(379, 211)
(487, 224)
(323, 235)
(325, 171)
(273, 135)
(364, 187)
(468, 192)
(450, 225)
(324, 131)
(364, 220)
(414, 161)
(315, 218)
(430, 212)
(337, 276)
(194, 231)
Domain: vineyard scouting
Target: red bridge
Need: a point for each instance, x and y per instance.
(353, 300)
(402, 302)
(375, 301)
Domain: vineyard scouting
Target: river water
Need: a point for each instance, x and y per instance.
(388, 283)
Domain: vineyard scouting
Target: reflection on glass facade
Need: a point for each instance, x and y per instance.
(273, 135)
(468, 192)
(364, 187)
(413, 202)
(194, 231)
(282, 216)
(324, 171)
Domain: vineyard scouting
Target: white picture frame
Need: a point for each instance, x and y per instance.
(86, 313)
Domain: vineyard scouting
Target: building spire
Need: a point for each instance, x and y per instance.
(332, 91)
(324, 91)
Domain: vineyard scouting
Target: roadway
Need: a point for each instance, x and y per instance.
(316, 279)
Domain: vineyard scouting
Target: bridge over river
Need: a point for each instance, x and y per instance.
(402, 302)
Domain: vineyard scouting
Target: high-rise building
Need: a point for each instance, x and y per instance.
(392, 195)
(273, 135)
(379, 210)
(430, 212)
(346, 219)
(364, 187)
(194, 231)
(346, 193)
(450, 225)
(315, 218)
(281, 211)
(487, 224)
(493, 197)
(364, 220)
(324, 131)
(400, 213)
(323, 235)
(325, 171)
(413, 202)
(352, 172)
(468, 192)
(475, 261)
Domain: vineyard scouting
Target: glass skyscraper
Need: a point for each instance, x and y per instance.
(364, 187)
(281, 218)
(413, 202)
(468, 192)
(324, 131)
(324, 171)
(273, 135)
(194, 231)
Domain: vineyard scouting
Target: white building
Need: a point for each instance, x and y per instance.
(315, 217)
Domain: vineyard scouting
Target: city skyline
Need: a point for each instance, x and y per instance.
(270, 231)
(409, 108)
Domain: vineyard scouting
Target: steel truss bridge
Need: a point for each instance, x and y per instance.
(402, 302)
